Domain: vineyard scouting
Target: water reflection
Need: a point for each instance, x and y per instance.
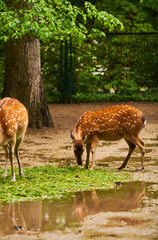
(47, 215)
(20, 216)
(128, 197)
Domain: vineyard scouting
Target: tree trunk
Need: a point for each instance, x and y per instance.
(23, 79)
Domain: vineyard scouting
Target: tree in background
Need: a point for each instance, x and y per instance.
(23, 25)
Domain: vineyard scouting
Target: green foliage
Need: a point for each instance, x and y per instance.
(88, 82)
(150, 3)
(47, 20)
(2, 61)
(111, 97)
(53, 182)
(131, 13)
(123, 63)
(52, 95)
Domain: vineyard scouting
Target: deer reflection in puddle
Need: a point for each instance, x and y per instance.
(19, 217)
(47, 215)
(127, 197)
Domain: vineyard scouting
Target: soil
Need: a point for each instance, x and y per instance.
(54, 147)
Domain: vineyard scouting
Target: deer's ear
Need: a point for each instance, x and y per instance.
(72, 136)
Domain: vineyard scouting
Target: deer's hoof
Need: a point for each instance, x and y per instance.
(91, 169)
(4, 176)
(13, 180)
(120, 168)
(139, 169)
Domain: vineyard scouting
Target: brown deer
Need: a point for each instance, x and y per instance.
(109, 124)
(13, 125)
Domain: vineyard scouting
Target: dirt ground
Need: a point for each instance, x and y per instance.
(54, 147)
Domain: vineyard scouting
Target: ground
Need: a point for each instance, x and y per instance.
(54, 147)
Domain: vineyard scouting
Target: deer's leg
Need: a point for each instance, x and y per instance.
(95, 199)
(88, 148)
(141, 142)
(93, 159)
(138, 142)
(6, 163)
(132, 146)
(18, 142)
(12, 147)
(93, 149)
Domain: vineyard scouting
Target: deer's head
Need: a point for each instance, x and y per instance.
(78, 147)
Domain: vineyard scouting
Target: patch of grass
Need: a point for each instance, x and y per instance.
(54, 182)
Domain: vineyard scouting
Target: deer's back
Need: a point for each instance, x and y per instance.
(13, 117)
(112, 123)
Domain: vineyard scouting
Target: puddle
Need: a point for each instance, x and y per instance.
(48, 216)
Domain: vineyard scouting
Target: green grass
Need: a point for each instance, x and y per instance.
(54, 182)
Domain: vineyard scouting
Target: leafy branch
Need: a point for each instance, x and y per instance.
(49, 19)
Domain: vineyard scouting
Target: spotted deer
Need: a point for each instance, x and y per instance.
(109, 124)
(13, 125)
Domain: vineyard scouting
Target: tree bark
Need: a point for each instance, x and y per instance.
(23, 79)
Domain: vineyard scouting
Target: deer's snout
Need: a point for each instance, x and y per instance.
(78, 155)
(78, 151)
